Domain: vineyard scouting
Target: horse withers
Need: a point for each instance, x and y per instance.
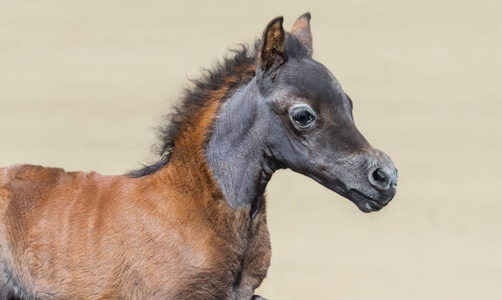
(193, 225)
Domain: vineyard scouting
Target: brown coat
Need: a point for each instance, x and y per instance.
(168, 235)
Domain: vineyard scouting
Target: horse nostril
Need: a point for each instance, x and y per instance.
(380, 179)
(380, 176)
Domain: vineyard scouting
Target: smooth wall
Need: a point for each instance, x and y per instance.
(84, 83)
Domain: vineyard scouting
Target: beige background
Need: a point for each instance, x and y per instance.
(82, 84)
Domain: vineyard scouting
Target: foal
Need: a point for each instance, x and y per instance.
(193, 225)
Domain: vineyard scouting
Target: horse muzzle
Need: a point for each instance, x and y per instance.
(383, 187)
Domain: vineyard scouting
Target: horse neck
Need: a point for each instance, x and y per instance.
(221, 152)
(236, 151)
(187, 167)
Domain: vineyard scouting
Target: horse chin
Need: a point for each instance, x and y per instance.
(366, 202)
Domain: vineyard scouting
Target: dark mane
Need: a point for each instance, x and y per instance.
(196, 96)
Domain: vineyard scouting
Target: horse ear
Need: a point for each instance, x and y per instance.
(301, 30)
(272, 46)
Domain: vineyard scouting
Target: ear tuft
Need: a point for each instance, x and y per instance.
(301, 30)
(273, 45)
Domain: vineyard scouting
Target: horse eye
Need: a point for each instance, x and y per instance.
(302, 115)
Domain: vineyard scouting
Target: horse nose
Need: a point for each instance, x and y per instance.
(382, 180)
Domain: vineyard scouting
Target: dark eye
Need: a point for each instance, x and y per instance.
(302, 115)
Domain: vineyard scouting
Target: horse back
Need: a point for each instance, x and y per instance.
(40, 223)
(22, 187)
(25, 190)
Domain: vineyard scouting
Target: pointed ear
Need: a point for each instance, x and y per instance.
(301, 30)
(272, 45)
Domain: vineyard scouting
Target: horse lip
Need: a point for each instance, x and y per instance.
(365, 202)
(364, 195)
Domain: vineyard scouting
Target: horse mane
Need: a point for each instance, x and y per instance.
(239, 65)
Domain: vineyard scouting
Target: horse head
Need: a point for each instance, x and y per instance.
(310, 120)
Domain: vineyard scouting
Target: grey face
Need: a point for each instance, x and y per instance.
(311, 116)
(317, 136)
